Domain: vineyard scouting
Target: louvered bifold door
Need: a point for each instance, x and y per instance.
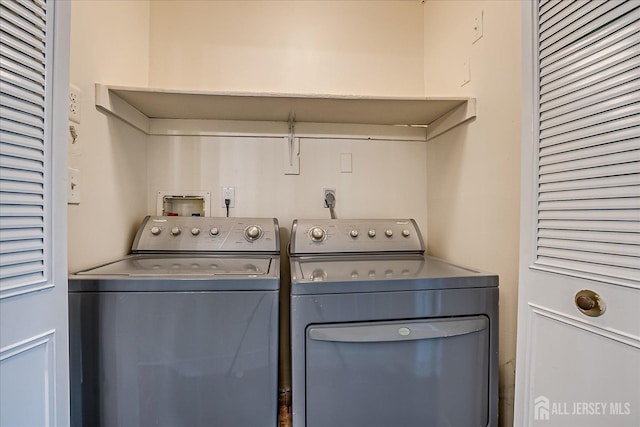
(22, 144)
(589, 139)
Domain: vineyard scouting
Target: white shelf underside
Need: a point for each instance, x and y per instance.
(174, 112)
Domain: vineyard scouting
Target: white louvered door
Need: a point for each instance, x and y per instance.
(578, 354)
(34, 82)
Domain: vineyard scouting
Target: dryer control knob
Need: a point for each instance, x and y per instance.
(155, 230)
(195, 231)
(175, 231)
(388, 232)
(353, 233)
(372, 233)
(318, 275)
(406, 233)
(214, 231)
(317, 234)
(252, 232)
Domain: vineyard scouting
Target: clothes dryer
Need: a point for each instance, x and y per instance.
(383, 335)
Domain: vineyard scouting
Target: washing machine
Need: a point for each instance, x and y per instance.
(182, 332)
(383, 335)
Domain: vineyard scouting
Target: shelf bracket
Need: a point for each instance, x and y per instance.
(109, 102)
(459, 115)
(292, 154)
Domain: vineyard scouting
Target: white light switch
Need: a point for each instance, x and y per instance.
(345, 163)
(73, 189)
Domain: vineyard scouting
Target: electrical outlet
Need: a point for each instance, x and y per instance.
(228, 193)
(325, 192)
(75, 103)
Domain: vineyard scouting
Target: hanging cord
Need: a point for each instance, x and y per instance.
(330, 202)
(227, 202)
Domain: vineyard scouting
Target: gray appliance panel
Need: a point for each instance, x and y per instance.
(184, 265)
(378, 273)
(404, 236)
(312, 312)
(206, 234)
(174, 359)
(398, 373)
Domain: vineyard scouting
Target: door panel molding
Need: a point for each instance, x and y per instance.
(585, 380)
(610, 333)
(38, 348)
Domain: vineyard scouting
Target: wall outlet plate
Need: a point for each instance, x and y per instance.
(75, 103)
(228, 193)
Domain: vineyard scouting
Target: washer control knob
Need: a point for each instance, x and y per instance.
(175, 231)
(155, 230)
(406, 233)
(195, 231)
(388, 232)
(372, 233)
(353, 233)
(214, 231)
(252, 232)
(317, 234)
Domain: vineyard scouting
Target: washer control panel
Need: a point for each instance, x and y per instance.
(355, 236)
(207, 234)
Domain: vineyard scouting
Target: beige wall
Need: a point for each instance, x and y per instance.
(473, 172)
(346, 47)
(387, 180)
(109, 44)
(337, 47)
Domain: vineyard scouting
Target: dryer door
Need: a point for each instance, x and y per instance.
(409, 373)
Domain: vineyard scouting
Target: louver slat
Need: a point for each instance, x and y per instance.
(582, 23)
(626, 25)
(589, 141)
(22, 144)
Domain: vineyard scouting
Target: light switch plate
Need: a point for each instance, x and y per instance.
(73, 187)
(478, 26)
(345, 163)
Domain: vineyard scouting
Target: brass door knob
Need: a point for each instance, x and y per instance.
(590, 303)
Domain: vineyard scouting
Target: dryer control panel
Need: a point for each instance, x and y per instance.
(207, 234)
(355, 236)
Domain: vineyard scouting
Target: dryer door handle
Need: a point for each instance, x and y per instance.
(398, 331)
